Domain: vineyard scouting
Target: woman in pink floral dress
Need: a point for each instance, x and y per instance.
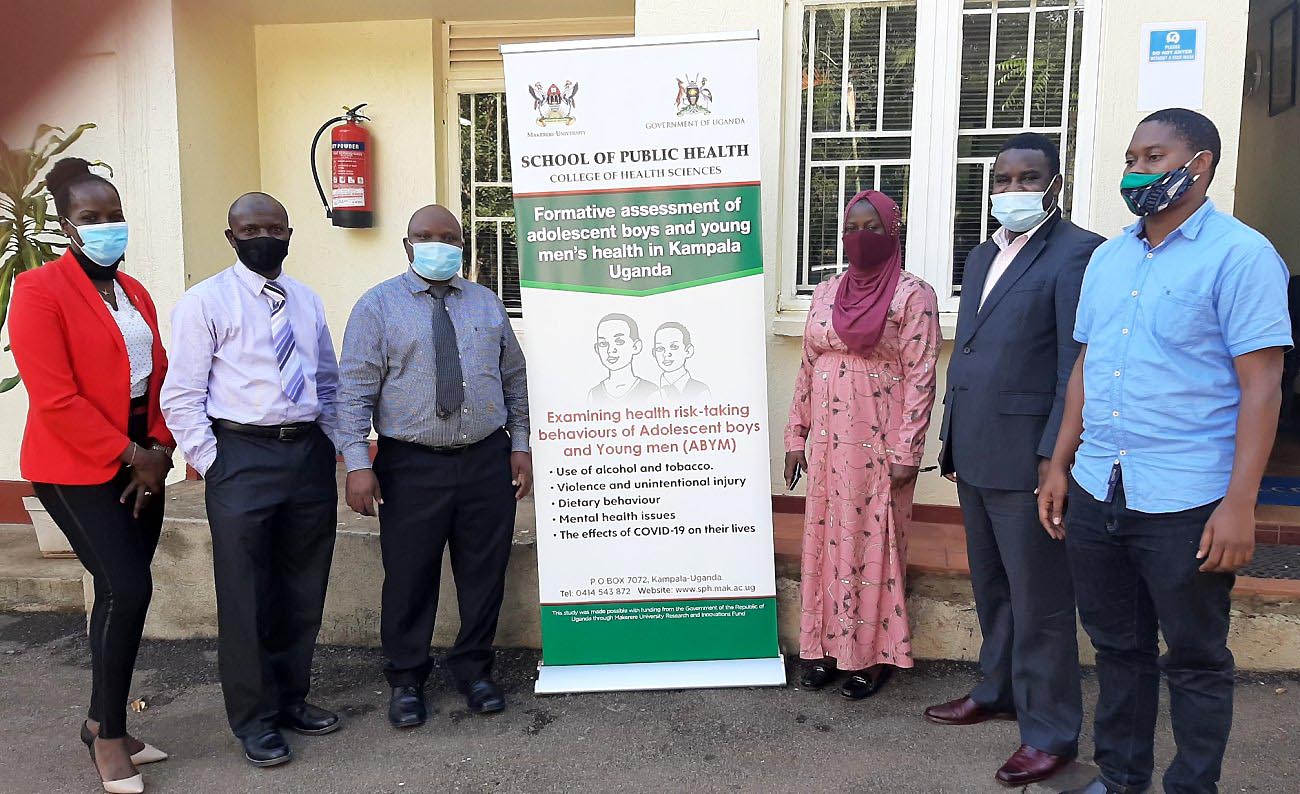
(857, 425)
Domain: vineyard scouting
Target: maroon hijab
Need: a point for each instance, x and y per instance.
(868, 285)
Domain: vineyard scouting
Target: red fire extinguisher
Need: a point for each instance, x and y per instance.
(351, 187)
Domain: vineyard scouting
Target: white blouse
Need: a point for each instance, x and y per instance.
(139, 341)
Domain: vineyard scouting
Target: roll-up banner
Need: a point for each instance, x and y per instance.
(635, 167)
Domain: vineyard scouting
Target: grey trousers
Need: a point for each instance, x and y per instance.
(1025, 602)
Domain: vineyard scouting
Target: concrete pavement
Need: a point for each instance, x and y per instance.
(773, 740)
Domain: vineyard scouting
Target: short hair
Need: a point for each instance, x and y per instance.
(1196, 130)
(1038, 143)
(255, 197)
(67, 174)
(632, 327)
(686, 335)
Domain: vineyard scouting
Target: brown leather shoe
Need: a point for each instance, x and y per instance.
(964, 711)
(1030, 765)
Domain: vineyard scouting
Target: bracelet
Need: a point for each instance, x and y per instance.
(134, 449)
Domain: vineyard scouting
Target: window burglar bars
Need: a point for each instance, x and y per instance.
(1017, 32)
(487, 203)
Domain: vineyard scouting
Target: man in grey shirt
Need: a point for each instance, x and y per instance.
(431, 360)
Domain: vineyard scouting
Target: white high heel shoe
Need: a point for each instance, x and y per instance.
(130, 785)
(149, 755)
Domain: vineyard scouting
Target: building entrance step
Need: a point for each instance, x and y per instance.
(32, 583)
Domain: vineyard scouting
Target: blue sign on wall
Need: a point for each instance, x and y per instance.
(1168, 46)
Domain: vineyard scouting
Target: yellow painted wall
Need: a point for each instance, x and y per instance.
(216, 98)
(1268, 191)
(305, 73)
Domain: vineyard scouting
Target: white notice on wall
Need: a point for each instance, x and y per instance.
(1171, 65)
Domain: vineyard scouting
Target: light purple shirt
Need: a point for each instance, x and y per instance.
(222, 363)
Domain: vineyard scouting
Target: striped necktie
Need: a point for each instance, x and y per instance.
(286, 350)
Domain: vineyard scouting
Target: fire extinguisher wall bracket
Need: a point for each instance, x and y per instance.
(351, 186)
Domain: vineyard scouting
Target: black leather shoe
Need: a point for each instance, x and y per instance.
(1100, 786)
(816, 675)
(865, 684)
(484, 697)
(406, 707)
(309, 720)
(267, 749)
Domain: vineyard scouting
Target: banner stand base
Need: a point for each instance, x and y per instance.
(711, 674)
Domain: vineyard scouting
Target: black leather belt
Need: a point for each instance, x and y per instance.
(291, 432)
(451, 450)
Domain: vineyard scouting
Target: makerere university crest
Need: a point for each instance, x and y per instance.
(554, 105)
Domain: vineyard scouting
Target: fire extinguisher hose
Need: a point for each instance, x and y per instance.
(329, 213)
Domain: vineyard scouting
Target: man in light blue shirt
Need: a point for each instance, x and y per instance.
(1170, 417)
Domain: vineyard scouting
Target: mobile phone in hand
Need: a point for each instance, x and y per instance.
(798, 475)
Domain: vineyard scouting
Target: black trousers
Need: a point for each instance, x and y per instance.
(117, 548)
(1025, 604)
(272, 507)
(1135, 575)
(433, 500)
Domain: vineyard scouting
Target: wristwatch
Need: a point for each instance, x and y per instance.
(168, 451)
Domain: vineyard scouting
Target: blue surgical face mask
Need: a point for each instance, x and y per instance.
(102, 243)
(1019, 211)
(435, 261)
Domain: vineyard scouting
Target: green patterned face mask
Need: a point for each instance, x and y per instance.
(1148, 194)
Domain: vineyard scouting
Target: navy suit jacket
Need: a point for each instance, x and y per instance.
(1012, 358)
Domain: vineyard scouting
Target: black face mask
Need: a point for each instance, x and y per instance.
(262, 255)
(94, 271)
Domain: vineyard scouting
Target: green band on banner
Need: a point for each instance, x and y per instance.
(659, 631)
(638, 242)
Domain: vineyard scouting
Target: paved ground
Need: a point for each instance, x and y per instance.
(738, 740)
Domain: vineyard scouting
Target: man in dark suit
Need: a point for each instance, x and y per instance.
(1010, 365)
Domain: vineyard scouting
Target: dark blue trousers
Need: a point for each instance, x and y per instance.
(1136, 577)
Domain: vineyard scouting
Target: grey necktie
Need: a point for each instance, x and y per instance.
(449, 382)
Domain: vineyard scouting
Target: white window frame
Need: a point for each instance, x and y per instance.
(932, 180)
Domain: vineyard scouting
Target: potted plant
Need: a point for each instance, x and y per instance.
(30, 237)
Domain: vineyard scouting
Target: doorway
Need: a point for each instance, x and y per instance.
(1268, 191)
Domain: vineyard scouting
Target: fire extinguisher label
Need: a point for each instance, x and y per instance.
(348, 182)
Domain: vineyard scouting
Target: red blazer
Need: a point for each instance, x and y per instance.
(73, 361)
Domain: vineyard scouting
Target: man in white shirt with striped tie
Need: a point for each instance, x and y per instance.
(250, 396)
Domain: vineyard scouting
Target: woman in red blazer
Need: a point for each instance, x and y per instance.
(85, 338)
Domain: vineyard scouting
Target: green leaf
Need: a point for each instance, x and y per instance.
(9, 383)
(29, 238)
(39, 207)
(42, 130)
(30, 257)
(6, 290)
(64, 143)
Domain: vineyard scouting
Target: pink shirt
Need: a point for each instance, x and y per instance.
(1007, 250)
